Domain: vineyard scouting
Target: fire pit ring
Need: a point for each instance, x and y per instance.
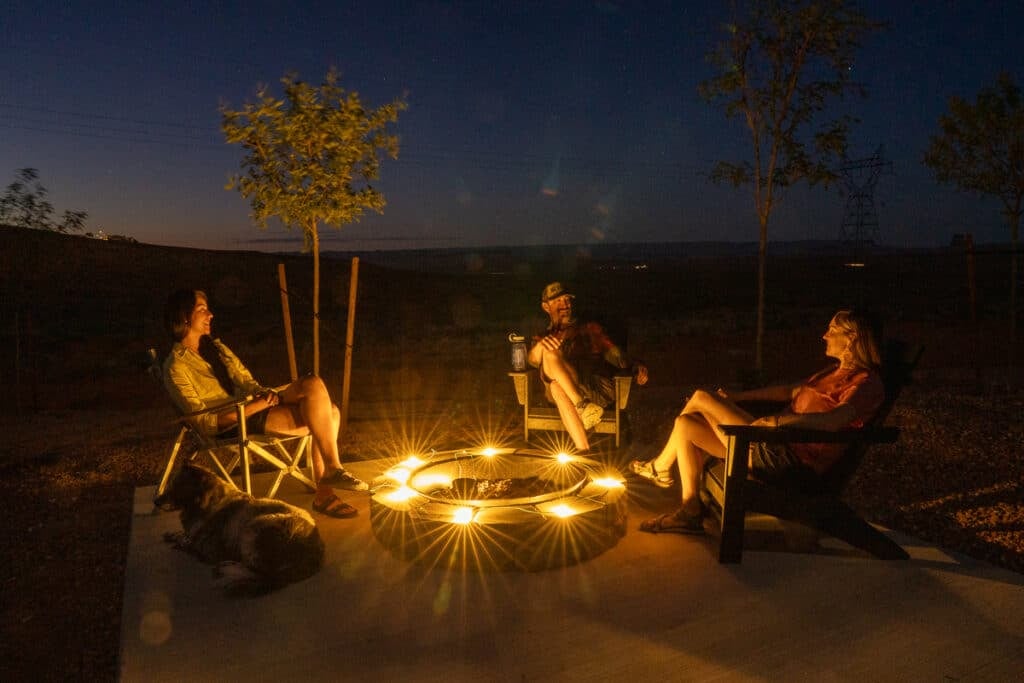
(498, 508)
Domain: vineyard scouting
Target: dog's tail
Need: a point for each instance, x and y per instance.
(278, 560)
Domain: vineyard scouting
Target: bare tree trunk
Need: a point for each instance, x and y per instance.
(762, 269)
(286, 315)
(1014, 245)
(315, 242)
(353, 288)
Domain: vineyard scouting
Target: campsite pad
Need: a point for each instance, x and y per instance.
(650, 608)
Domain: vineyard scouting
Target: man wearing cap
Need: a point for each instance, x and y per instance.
(577, 361)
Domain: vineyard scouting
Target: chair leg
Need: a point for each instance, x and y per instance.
(286, 463)
(843, 523)
(730, 546)
(171, 460)
(246, 476)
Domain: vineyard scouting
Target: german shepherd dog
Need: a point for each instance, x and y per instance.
(257, 545)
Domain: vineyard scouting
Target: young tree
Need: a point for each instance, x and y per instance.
(24, 204)
(980, 149)
(310, 159)
(781, 64)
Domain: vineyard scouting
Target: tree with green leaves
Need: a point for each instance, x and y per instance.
(24, 204)
(980, 149)
(781, 65)
(310, 159)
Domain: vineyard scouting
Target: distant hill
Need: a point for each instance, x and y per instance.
(554, 257)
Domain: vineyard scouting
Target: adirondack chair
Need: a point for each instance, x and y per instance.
(728, 491)
(538, 415)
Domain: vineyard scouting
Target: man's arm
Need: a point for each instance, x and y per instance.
(616, 358)
(536, 355)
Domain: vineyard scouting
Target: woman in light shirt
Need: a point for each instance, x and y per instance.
(201, 372)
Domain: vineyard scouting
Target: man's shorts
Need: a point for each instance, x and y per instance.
(776, 463)
(595, 388)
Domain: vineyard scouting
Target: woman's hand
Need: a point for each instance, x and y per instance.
(271, 398)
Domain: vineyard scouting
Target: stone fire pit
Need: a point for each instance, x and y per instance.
(498, 509)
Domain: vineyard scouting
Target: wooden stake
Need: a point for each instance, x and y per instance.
(287, 315)
(349, 334)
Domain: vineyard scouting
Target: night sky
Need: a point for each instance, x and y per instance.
(539, 123)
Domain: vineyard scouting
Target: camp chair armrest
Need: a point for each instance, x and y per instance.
(752, 434)
(236, 403)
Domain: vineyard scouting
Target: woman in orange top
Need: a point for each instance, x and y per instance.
(841, 396)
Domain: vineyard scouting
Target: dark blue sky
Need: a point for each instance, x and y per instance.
(543, 122)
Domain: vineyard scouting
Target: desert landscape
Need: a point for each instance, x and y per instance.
(85, 424)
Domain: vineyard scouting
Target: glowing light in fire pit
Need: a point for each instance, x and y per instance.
(400, 495)
(562, 511)
(462, 515)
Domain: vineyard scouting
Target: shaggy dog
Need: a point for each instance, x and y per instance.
(256, 544)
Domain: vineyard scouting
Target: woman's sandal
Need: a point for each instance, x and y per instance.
(645, 469)
(677, 522)
(332, 506)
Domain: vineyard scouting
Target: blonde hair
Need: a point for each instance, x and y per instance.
(863, 330)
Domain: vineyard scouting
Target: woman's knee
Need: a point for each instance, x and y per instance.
(312, 385)
(700, 397)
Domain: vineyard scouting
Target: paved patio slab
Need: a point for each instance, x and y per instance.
(650, 608)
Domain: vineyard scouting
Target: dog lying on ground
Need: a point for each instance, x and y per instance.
(257, 545)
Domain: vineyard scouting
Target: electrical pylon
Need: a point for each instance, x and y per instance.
(860, 221)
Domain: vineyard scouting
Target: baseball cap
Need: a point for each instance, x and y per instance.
(553, 291)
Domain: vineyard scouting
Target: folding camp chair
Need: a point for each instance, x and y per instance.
(237, 449)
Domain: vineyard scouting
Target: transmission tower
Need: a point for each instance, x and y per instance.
(860, 221)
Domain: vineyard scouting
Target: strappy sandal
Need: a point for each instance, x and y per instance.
(342, 479)
(646, 470)
(677, 522)
(332, 506)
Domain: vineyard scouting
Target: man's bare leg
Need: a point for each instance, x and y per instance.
(565, 392)
(570, 418)
(562, 374)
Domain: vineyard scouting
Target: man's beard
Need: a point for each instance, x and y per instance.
(564, 319)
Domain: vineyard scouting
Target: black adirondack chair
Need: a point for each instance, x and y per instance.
(728, 491)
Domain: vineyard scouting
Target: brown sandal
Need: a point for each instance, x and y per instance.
(677, 522)
(332, 506)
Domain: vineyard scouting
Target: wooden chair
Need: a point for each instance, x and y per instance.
(728, 491)
(238, 450)
(537, 414)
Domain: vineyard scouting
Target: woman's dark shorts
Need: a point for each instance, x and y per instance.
(254, 424)
(776, 463)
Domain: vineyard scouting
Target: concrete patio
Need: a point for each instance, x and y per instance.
(650, 608)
